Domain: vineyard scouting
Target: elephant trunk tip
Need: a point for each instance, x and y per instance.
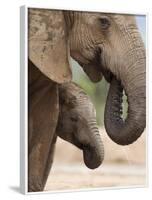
(92, 157)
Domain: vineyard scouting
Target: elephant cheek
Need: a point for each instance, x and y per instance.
(91, 159)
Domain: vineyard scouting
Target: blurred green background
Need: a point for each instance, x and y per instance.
(98, 91)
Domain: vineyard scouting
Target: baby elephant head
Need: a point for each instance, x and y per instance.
(77, 124)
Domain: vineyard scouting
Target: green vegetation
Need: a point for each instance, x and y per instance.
(96, 91)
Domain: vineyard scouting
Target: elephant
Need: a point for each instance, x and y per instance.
(77, 123)
(105, 45)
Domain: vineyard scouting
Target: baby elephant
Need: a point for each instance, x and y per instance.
(77, 123)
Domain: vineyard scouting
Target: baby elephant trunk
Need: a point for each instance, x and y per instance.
(93, 149)
(93, 154)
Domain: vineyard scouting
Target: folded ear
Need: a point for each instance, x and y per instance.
(48, 44)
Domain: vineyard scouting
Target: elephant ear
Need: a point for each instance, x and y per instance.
(48, 44)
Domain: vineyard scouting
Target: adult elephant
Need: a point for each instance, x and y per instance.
(103, 44)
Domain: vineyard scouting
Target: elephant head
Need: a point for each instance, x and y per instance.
(77, 124)
(110, 45)
(103, 44)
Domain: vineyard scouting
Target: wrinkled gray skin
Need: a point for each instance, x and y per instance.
(110, 45)
(77, 123)
(103, 44)
(43, 111)
(69, 114)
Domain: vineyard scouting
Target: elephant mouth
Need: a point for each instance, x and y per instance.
(96, 72)
(96, 69)
(93, 71)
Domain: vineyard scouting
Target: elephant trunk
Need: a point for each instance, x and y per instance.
(93, 154)
(93, 149)
(133, 82)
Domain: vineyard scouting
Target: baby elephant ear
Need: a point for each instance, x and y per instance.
(48, 44)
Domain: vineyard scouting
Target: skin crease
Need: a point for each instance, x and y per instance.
(103, 44)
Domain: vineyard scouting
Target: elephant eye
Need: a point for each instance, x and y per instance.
(74, 118)
(104, 23)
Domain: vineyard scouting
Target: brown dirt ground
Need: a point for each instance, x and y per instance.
(122, 166)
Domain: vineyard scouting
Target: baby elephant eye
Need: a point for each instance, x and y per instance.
(104, 22)
(74, 118)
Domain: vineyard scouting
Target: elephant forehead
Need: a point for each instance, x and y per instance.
(119, 19)
(45, 25)
(123, 19)
(85, 109)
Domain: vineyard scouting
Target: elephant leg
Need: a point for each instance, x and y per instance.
(43, 116)
(50, 159)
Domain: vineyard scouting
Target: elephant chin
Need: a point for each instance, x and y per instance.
(91, 159)
(93, 72)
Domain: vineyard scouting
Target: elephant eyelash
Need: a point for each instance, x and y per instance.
(104, 23)
(74, 119)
